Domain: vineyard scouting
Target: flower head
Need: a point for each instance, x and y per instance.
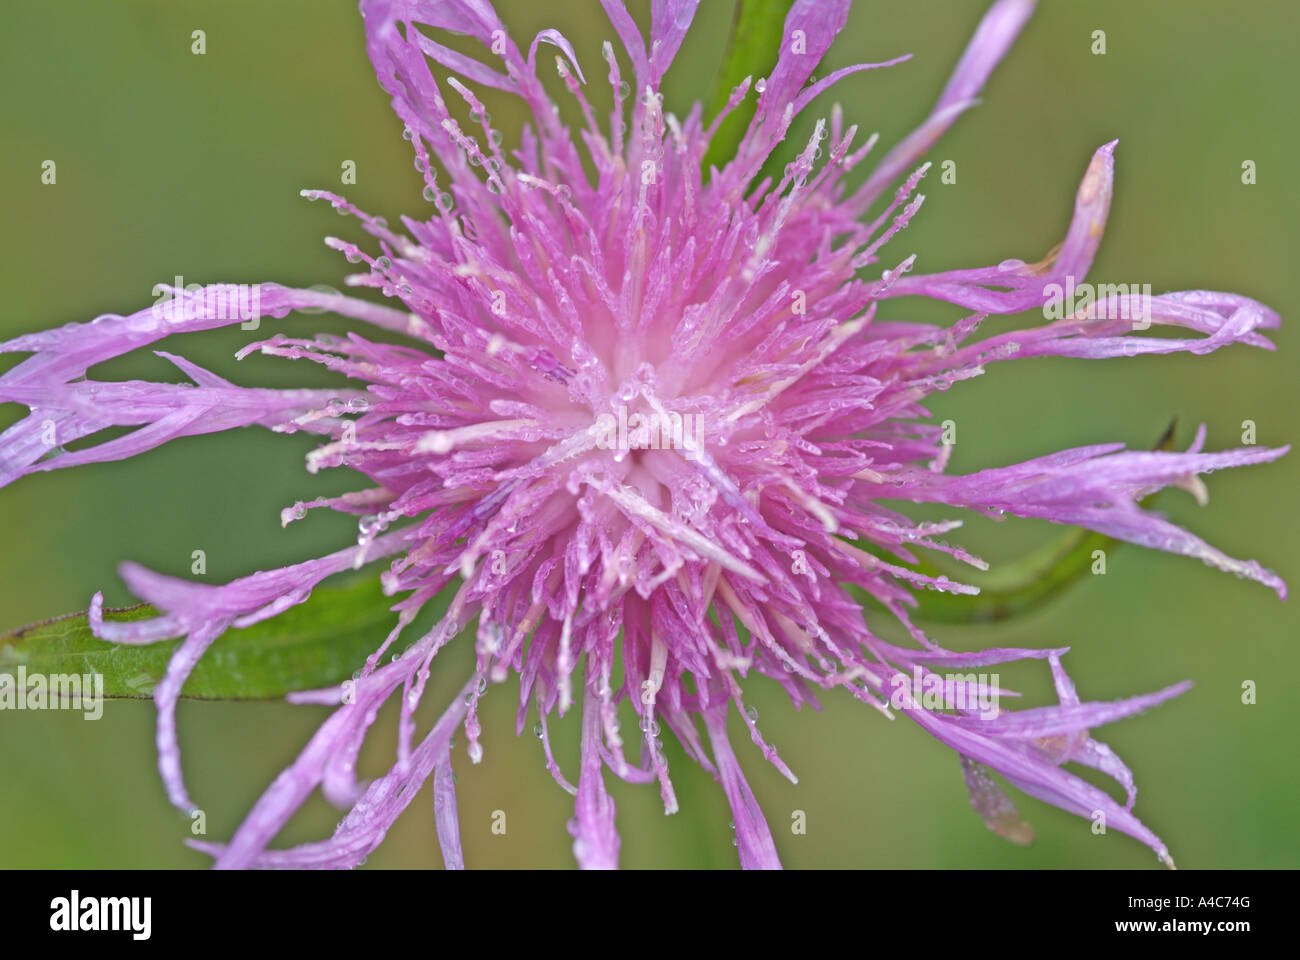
(648, 435)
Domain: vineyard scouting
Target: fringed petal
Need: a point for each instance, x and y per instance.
(993, 37)
(365, 825)
(445, 816)
(753, 838)
(595, 836)
(1097, 488)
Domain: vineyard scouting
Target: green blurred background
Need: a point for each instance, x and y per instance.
(171, 163)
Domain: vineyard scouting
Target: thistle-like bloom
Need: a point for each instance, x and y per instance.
(647, 437)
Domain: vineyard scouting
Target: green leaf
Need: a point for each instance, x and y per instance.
(1014, 588)
(1017, 587)
(752, 51)
(320, 642)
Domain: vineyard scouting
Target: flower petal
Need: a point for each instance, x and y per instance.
(993, 38)
(595, 837)
(753, 838)
(444, 814)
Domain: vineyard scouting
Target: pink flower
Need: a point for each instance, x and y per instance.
(651, 431)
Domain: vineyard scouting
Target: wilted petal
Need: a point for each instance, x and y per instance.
(993, 805)
(1028, 283)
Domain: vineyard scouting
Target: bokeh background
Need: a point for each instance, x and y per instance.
(171, 163)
